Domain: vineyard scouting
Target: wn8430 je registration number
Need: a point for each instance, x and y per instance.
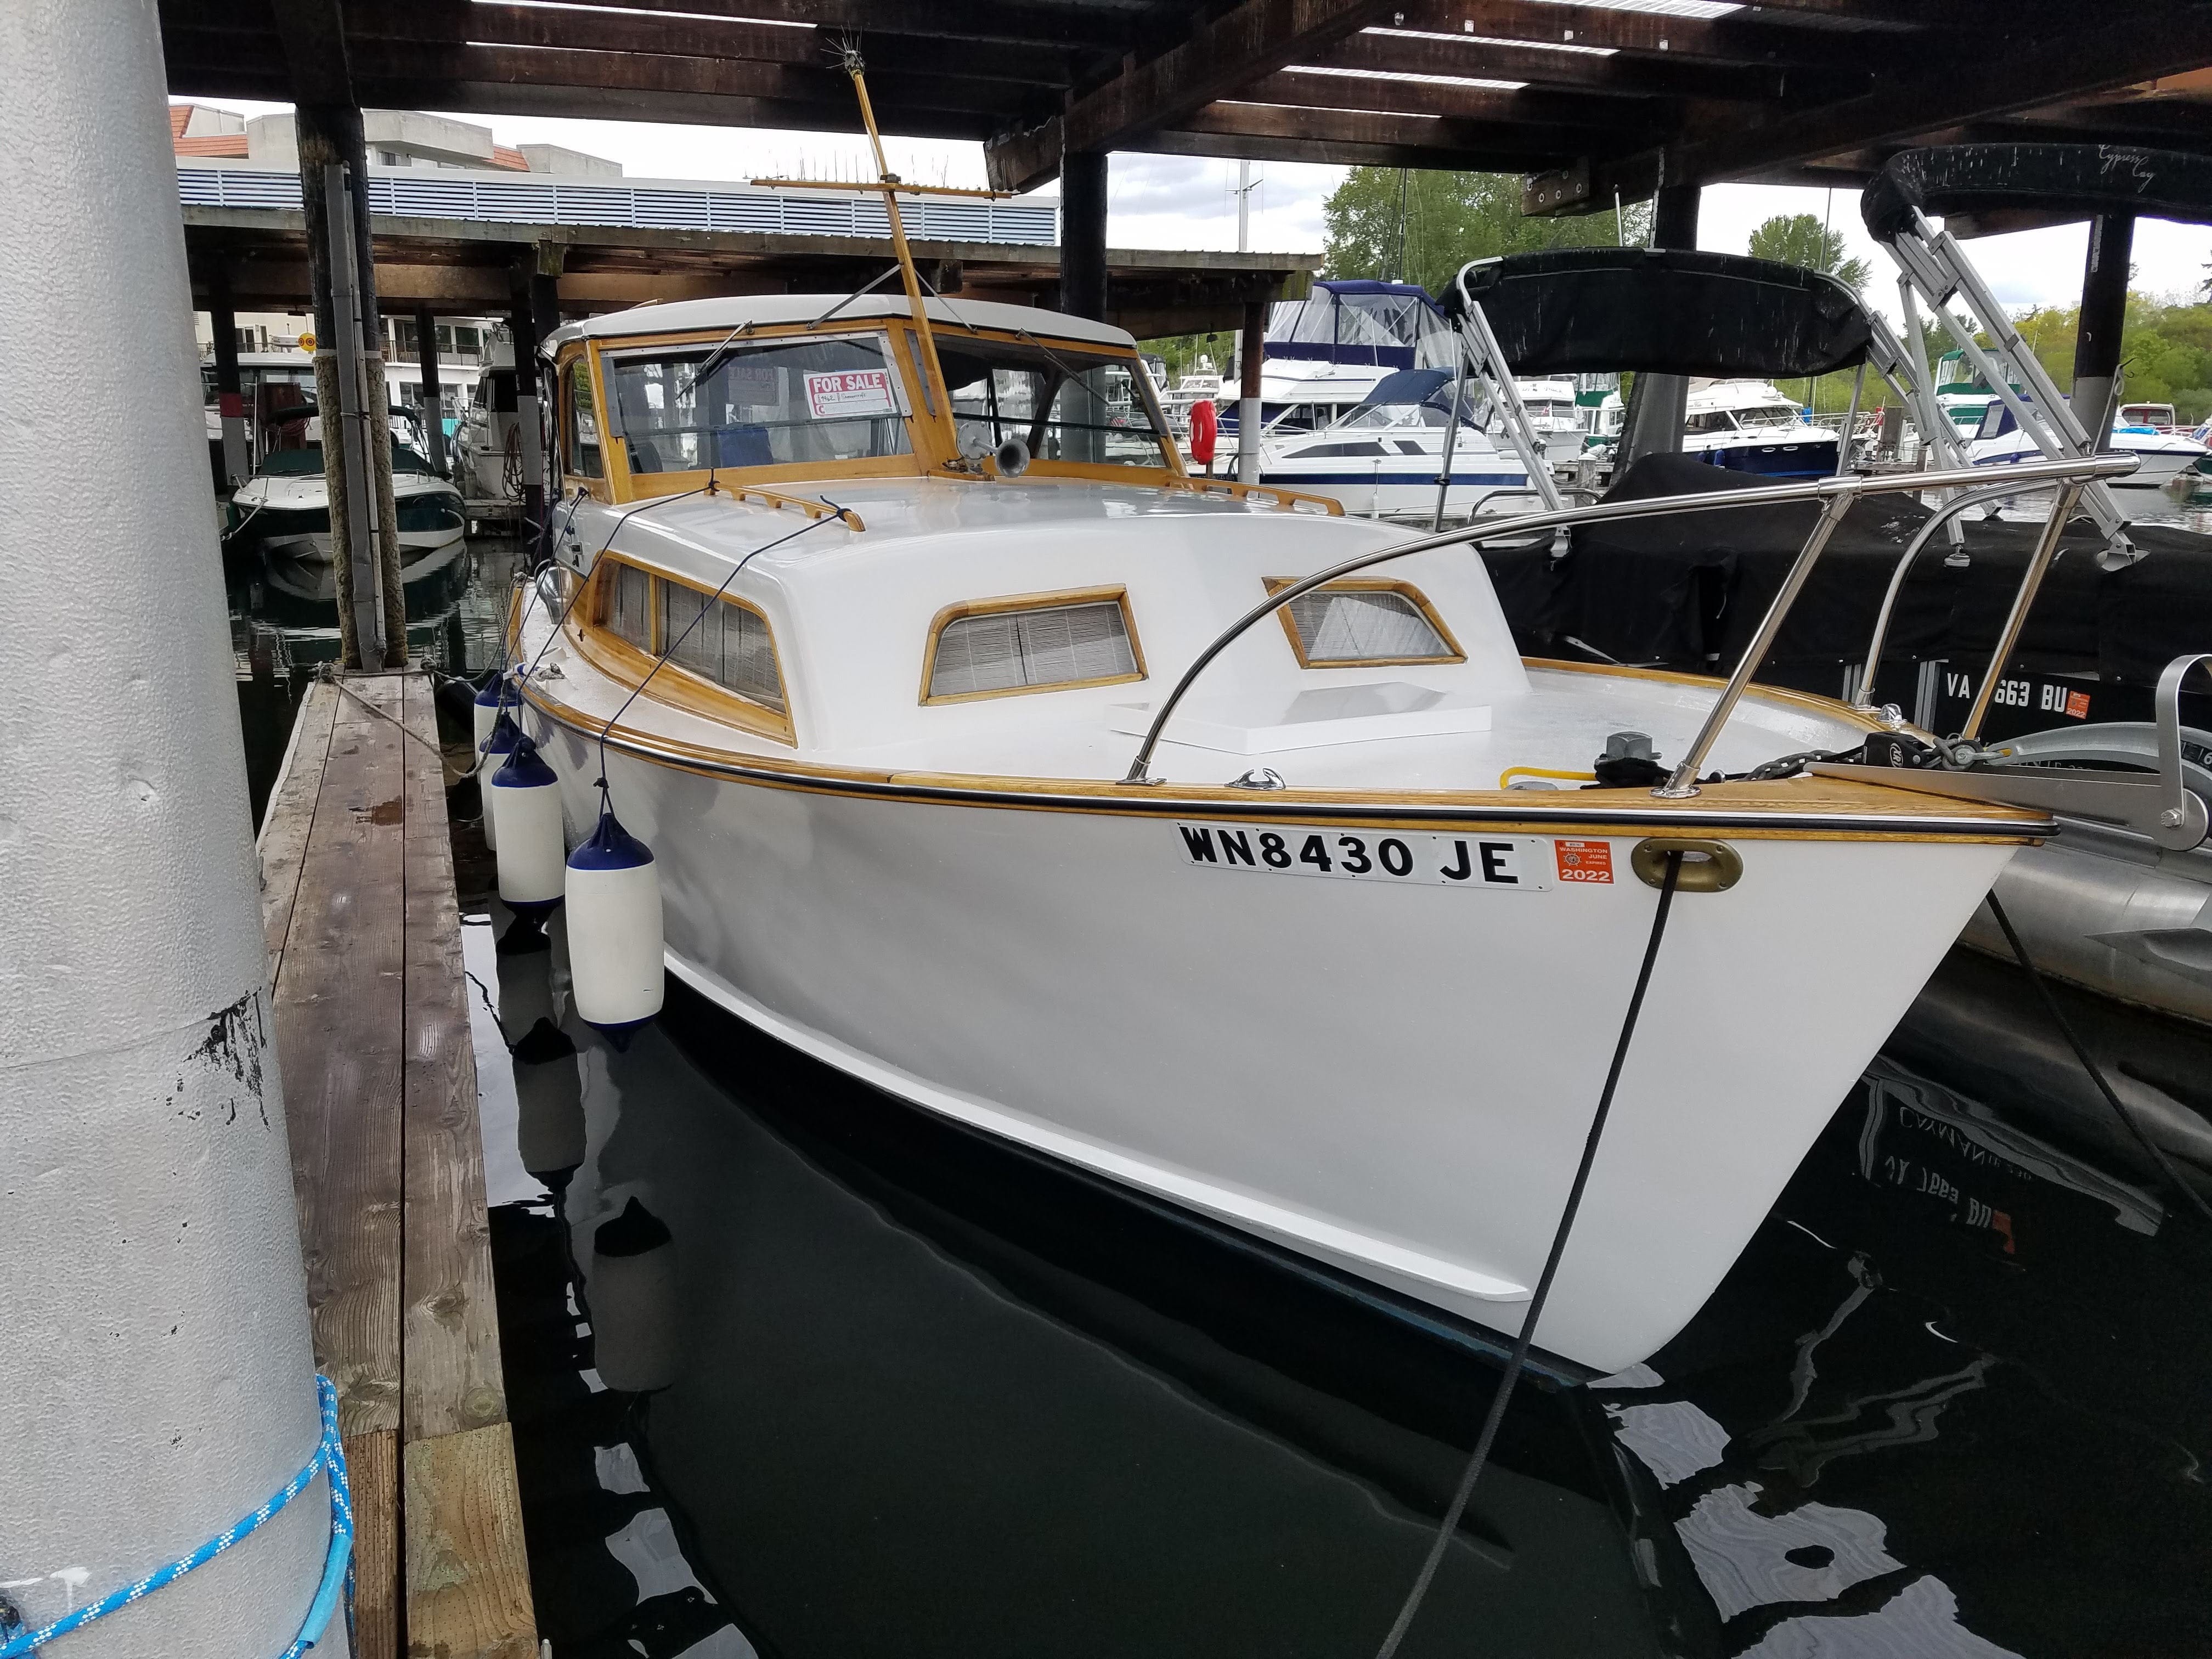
(1518, 863)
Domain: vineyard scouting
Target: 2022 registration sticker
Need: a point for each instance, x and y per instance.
(1508, 863)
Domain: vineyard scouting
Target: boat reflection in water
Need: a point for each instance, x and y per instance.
(796, 1368)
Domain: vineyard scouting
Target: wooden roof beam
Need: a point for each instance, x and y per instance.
(1756, 38)
(1403, 51)
(2048, 68)
(1357, 138)
(1570, 115)
(1017, 22)
(1252, 39)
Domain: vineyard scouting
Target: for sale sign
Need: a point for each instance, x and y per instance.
(848, 394)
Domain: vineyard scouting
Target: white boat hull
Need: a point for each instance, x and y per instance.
(1398, 1083)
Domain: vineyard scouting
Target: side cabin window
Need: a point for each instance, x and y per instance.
(629, 607)
(693, 408)
(721, 641)
(1354, 624)
(1039, 643)
(582, 436)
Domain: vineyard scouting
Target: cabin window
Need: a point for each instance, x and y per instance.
(1339, 452)
(1065, 404)
(583, 422)
(721, 641)
(694, 408)
(1036, 645)
(630, 606)
(1350, 624)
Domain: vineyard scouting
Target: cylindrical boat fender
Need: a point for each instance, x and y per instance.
(533, 864)
(492, 750)
(613, 928)
(631, 1288)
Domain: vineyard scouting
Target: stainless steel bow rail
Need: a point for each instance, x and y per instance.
(1835, 495)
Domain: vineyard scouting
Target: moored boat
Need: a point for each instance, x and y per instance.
(1320, 964)
(284, 508)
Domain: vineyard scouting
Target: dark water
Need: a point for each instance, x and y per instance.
(797, 1370)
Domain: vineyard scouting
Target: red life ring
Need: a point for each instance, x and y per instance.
(1203, 428)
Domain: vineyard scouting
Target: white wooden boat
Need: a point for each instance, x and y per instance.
(1316, 965)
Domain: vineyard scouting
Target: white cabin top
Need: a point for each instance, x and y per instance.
(782, 310)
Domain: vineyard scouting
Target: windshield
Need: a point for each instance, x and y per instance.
(1065, 404)
(834, 398)
(1768, 414)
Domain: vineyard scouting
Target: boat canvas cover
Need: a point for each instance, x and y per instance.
(1665, 311)
(1688, 591)
(2055, 182)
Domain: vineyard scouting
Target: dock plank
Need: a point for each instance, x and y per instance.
(290, 815)
(453, 1380)
(468, 1583)
(339, 1015)
(373, 1473)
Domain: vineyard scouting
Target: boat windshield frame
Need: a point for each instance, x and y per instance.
(930, 448)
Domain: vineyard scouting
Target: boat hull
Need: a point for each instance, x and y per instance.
(1398, 1082)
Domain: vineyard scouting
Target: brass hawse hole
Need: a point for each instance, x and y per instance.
(1708, 866)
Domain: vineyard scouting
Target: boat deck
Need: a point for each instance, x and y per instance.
(380, 1091)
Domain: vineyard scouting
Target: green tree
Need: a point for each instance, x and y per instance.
(1799, 238)
(1447, 219)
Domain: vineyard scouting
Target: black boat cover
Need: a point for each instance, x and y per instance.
(1688, 591)
(1665, 311)
(2080, 180)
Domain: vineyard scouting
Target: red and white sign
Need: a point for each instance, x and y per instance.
(847, 394)
(1584, 860)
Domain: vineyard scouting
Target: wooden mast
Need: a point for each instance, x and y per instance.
(934, 393)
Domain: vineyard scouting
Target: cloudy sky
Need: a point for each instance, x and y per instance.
(1173, 202)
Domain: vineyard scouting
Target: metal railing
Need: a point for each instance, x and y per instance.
(1835, 495)
(547, 199)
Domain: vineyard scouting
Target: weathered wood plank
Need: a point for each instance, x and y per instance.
(290, 815)
(452, 1365)
(468, 1583)
(372, 1474)
(339, 1007)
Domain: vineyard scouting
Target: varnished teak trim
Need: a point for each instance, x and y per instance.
(1367, 585)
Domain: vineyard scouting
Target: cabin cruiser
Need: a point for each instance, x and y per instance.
(1750, 426)
(1199, 835)
(1324, 354)
(1383, 460)
(1555, 417)
(284, 508)
(2163, 456)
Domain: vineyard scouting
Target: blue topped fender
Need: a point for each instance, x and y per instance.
(525, 769)
(610, 848)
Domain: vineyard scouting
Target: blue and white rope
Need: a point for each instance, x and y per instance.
(329, 1458)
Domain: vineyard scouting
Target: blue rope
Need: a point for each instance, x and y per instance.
(329, 1458)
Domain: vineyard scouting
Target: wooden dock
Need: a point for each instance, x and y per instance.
(380, 1094)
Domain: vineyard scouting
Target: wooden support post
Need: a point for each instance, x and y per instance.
(1250, 351)
(1658, 403)
(1082, 236)
(434, 414)
(522, 326)
(331, 135)
(2103, 313)
(230, 400)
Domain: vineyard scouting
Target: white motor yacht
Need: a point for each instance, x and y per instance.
(1384, 459)
(859, 621)
(1555, 419)
(285, 507)
(2163, 456)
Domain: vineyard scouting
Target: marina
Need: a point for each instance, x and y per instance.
(808, 914)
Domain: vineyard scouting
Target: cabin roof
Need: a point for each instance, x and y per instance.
(772, 310)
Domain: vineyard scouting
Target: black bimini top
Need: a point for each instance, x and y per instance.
(2076, 180)
(1665, 311)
